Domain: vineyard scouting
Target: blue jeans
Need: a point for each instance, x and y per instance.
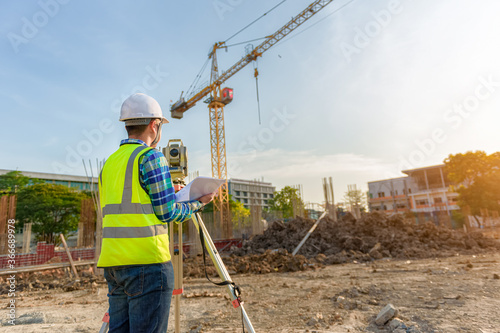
(139, 297)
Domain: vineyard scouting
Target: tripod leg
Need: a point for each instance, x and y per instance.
(105, 323)
(220, 267)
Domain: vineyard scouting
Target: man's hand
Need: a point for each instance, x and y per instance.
(206, 198)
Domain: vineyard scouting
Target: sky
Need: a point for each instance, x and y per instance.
(359, 92)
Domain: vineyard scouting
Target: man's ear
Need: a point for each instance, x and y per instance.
(152, 125)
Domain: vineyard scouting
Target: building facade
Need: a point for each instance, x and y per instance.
(251, 192)
(424, 191)
(80, 183)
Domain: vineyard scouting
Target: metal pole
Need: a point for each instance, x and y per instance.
(308, 234)
(219, 265)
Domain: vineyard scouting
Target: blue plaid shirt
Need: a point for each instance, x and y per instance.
(155, 179)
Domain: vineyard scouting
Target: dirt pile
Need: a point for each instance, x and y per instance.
(374, 236)
(51, 279)
(267, 262)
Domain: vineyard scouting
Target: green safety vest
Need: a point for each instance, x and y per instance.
(131, 234)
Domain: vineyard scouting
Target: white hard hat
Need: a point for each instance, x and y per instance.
(139, 109)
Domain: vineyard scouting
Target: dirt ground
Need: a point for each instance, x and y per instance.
(437, 279)
(454, 294)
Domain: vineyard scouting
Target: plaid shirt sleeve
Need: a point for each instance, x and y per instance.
(155, 178)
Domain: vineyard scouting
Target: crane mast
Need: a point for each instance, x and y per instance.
(216, 106)
(218, 150)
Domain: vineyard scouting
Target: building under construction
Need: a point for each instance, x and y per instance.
(424, 191)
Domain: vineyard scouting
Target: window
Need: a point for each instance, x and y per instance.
(409, 190)
(265, 202)
(61, 182)
(245, 200)
(264, 195)
(438, 200)
(381, 194)
(271, 196)
(237, 193)
(245, 194)
(422, 202)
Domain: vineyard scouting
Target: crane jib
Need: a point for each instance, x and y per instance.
(179, 107)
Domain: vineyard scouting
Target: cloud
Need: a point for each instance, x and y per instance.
(282, 167)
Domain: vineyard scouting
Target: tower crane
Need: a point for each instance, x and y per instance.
(218, 98)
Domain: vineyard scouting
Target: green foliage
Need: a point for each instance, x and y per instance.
(14, 181)
(283, 201)
(477, 178)
(52, 209)
(458, 217)
(355, 198)
(239, 214)
(238, 210)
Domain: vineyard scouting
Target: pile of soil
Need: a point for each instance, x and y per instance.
(51, 279)
(374, 236)
(267, 262)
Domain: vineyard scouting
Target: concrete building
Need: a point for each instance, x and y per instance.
(76, 182)
(251, 192)
(424, 191)
(391, 195)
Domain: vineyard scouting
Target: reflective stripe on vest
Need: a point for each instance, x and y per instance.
(132, 234)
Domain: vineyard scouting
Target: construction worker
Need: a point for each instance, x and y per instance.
(137, 200)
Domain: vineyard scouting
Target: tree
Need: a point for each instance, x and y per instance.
(238, 210)
(476, 176)
(52, 209)
(239, 213)
(283, 201)
(13, 181)
(355, 198)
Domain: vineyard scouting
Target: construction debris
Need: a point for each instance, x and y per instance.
(374, 236)
(388, 312)
(267, 262)
(52, 279)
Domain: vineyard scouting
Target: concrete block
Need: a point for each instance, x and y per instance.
(388, 312)
(397, 323)
(31, 318)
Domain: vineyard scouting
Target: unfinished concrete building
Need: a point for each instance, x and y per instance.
(424, 191)
(251, 192)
